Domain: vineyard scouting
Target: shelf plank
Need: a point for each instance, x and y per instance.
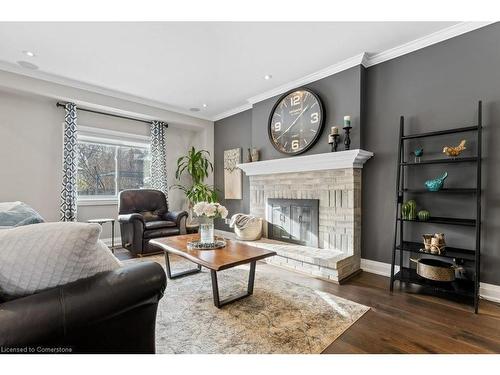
(449, 190)
(469, 159)
(461, 290)
(445, 220)
(441, 132)
(450, 252)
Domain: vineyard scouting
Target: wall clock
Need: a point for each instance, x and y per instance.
(296, 121)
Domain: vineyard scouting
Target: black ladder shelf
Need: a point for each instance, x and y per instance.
(461, 290)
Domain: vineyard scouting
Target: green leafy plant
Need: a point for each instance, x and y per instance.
(197, 165)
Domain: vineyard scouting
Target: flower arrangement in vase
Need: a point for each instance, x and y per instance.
(208, 211)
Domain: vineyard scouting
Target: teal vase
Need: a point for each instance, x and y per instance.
(437, 183)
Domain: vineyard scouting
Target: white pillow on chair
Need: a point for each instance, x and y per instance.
(42, 256)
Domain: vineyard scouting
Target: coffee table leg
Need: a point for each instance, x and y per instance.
(215, 288)
(171, 275)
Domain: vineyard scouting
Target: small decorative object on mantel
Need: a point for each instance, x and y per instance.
(333, 138)
(409, 210)
(423, 215)
(254, 154)
(437, 183)
(347, 130)
(208, 212)
(419, 151)
(454, 151)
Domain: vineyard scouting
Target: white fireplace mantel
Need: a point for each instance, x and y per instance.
(331, 160)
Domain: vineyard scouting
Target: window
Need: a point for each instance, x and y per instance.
(109, 162)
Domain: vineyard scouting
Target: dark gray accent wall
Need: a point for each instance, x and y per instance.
(435, 88)
(232, 132)
(340, 94)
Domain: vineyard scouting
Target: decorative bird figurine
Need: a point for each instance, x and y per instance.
(419, 151)
(454, 151)
(437, 183)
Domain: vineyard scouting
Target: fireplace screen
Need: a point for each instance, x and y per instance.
(293, 220)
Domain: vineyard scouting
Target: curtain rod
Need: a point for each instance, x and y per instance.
(59, 104)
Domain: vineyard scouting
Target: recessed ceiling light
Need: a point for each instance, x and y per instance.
(29, 53)
(194, 109)
(267, 77)
(205, 105)
(28, 65)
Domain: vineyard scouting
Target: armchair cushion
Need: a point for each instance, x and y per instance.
(159, 224)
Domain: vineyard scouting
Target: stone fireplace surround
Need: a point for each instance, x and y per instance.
(335, 180)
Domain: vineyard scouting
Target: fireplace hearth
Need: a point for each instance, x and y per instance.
(293, 220)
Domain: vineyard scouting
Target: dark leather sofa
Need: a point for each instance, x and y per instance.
(111, 312)
(144, 215)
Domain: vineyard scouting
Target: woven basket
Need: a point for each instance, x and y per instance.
(251, 233)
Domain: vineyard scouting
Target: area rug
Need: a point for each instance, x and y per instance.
(280, 317)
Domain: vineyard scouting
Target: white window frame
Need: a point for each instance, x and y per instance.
(93, 134)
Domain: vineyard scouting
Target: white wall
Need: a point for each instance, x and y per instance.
(31, 153)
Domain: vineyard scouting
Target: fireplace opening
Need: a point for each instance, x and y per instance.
(293, 220)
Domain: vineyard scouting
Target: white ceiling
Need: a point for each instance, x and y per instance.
(183, 65)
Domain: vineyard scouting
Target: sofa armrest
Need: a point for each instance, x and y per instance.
(130, 218)
(52, 315)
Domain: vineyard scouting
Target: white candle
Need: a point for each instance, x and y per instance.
(347, 121)
(335, 130)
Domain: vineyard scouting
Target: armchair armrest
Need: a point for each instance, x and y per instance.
(179, 217)
(176, 216)
(52, 316)
(130, 218)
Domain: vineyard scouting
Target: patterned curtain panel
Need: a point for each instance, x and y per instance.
(159, 157)
(69, 188)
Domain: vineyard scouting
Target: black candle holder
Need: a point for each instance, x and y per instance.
(333, 141)
(347, 138)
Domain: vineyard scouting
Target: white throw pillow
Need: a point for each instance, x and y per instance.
(42, 256)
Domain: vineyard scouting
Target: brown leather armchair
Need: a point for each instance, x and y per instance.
(143, 215)
(111, 312)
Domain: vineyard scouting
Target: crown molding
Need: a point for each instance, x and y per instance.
(52, 78)
(425, 41)
(323, 73)
(365, 60)
(232, 111)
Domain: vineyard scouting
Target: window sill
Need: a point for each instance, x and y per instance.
(97, 202)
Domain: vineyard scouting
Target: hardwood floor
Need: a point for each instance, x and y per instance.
(402, 322)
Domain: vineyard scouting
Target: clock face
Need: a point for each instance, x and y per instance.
(296, 121)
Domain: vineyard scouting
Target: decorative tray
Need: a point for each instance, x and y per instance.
(197, 245)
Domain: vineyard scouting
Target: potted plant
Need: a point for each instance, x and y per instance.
(208, 211)
(197, 165)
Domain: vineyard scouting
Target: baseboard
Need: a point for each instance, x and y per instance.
(488, 292)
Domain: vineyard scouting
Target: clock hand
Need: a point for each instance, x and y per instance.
(293, 123)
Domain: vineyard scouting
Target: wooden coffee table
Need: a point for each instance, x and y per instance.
(234, 254)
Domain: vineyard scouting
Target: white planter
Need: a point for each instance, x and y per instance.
(251, 233)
